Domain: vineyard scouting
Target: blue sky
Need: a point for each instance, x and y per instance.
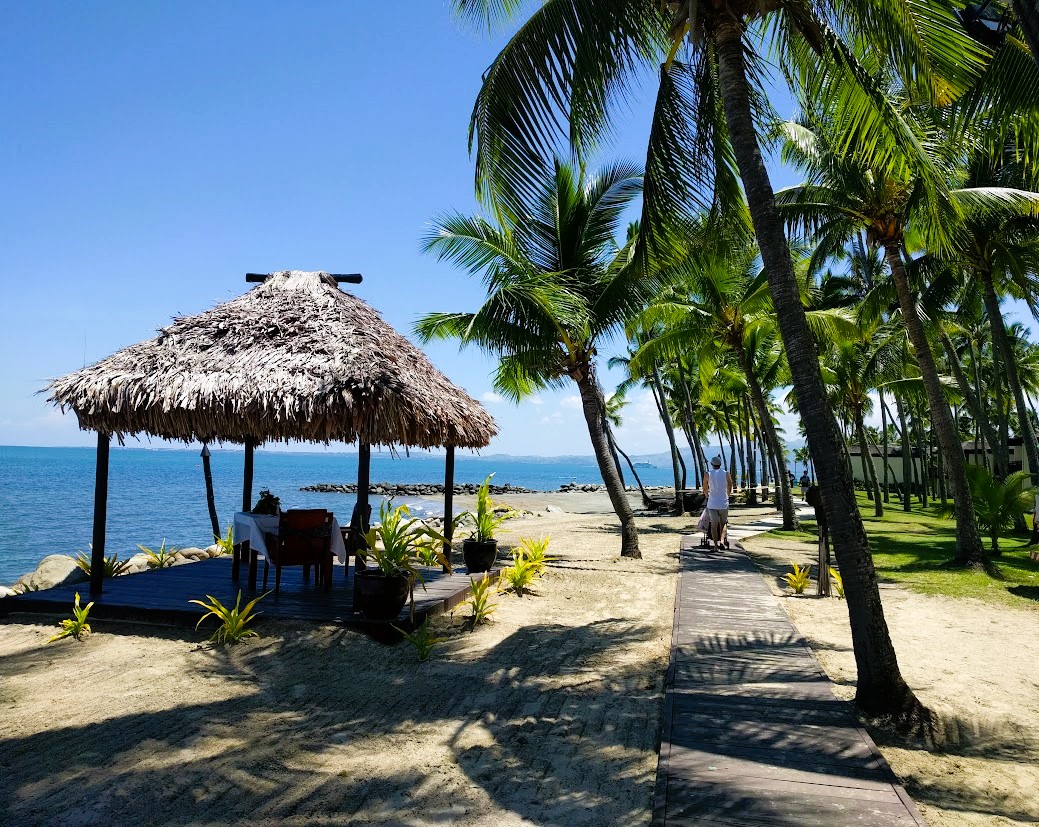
(154, 153)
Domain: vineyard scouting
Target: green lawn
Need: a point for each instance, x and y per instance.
(914, 549)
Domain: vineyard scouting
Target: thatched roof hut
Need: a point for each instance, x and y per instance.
(295, 358)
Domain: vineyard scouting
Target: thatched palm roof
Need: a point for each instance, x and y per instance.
(295, 358)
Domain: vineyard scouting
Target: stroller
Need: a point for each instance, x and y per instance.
(703, 525)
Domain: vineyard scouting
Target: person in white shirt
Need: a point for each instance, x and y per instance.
(717, 486)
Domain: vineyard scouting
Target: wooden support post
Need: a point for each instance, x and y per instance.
(97, 552)
(449, 496)
(823, 578)
(207, 471)
(364, 481)
(247, 479)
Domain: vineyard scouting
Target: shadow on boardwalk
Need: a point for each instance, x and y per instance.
(551, 738)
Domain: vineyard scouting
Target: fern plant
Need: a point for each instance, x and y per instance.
(234, 622)
(798, 578)
(113, 566)
(226, 543)
(422, 639)
(838, 582)
(480, 604)
(518, 577)
(161, 559)
(534, 552)
(77, 625)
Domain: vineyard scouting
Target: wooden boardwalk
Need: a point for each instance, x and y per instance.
(162, 596)
(753, 734)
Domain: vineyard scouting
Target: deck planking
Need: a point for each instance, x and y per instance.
(753, 733)
(162, 596)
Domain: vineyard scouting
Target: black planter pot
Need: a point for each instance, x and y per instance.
(479, 556)
(380, 597)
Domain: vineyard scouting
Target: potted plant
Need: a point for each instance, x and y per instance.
(481, 549)
(267, 503)
(394, 547)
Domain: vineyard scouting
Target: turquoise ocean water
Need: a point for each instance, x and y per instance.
(47, 494)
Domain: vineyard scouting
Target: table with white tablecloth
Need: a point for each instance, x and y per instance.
(251, 528)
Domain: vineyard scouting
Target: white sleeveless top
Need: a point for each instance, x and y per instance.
(718, 496)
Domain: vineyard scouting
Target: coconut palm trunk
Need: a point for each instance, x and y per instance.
(768, 428)
(969, 550)
(869, 468)
(1028, 14)
(1002, 341)
(658, 387)
(593, 403)
(977, 408)
(884, 439)
(880, 687)
(646, 499)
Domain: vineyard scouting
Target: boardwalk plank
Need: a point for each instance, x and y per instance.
(753, 733)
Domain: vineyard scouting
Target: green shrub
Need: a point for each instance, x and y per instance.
(77, 625)
(234, 623)
(113, 565)
(534, 552)
(517, 577)
(422, 639)
(799, 578)
(226, 543)
(479, 602)
(837, 581)
(161, 559)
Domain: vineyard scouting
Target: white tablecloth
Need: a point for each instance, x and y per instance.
(251, 527)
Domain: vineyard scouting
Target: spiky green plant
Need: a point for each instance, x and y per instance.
(798, 578)
(113, 566)
(518, 577)
(77, 625)
(161, 559)
(838, 582)
(480, 605)
(226, 543)
(484, 521)
(997, 503)
(422, 639)
(534, 552)
(234, 622)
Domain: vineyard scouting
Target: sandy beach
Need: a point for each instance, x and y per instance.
(548, 715)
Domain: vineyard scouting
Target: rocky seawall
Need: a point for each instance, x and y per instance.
(422, 489)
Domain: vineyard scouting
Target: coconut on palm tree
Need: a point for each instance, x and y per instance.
(558, 282)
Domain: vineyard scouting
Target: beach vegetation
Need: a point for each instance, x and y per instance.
(535, 552)
(76, 626)
(234, 621)
(225, 543)
(480, 606)
(267, 503)
(997, 503)
(798, 578)
(113, 566)
(161, 558)
(484, 521)
(422, 640)
(518, 577)
(560, 279)
(837, 582)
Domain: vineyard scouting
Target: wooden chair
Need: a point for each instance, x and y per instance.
(304, 538)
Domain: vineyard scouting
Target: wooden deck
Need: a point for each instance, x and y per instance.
(162, 596)
(753, 734)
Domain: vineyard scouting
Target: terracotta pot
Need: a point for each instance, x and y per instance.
(380, 597)
(479, 556)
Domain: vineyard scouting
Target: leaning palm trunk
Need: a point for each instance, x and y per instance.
(594, 405)
(869, 468)
(969, 550)
(785, 498)
(907, 457)
(977, 408)
(1028, 15)
(676, 459)
(647, 501)
(880, 687)
(1002, 341)
(613, 451)
(883, 433)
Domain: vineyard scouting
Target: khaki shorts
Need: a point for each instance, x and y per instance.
(718, 517)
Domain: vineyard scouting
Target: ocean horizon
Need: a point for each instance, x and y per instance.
(158, 493)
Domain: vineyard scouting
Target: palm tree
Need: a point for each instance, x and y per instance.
(571, 60)
(615, 403)
(846, 195)
(558, 283)
(1000, 502)
(719, 300)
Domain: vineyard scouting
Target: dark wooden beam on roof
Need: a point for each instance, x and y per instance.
(340, 278)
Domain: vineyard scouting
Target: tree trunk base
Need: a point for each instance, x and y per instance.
(630, 542)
